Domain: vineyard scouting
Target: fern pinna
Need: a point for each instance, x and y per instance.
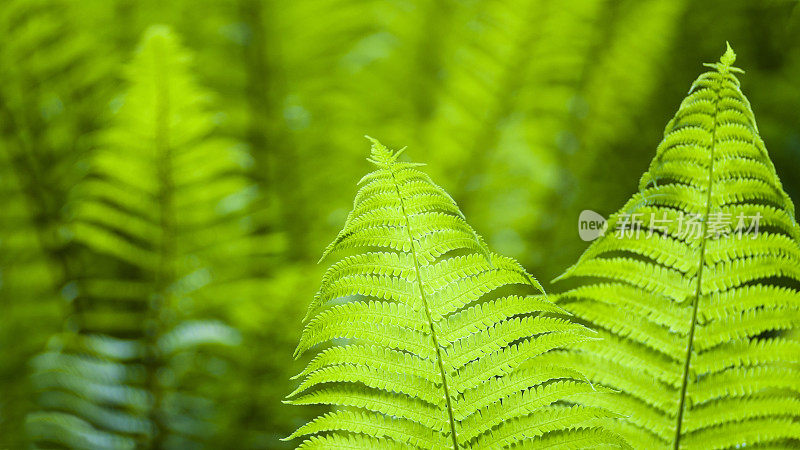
(694, 287)
(432, 345)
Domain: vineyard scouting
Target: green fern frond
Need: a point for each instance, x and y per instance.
(52, 86)
(425, 338)
(696, 320)
(164, 210)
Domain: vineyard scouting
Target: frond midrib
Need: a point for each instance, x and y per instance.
(701, 265)
(165, 248)
(434, 339)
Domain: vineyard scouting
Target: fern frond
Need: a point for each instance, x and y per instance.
(700, 354)
(426, 338)
(52, 86)
(161, 190)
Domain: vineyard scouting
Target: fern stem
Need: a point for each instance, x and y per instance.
(434, 339)
(165, 273)
(698, 288)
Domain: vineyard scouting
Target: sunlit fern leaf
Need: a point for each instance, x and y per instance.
(695, 320)
(428, 333)
(162, 212)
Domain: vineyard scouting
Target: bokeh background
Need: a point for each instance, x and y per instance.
(120, 329)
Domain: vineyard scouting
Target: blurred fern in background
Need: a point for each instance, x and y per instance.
(161, 211)
(53, 86)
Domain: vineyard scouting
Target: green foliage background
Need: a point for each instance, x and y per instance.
(527, 112)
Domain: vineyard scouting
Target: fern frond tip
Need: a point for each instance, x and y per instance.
(726, 61)
(729, 57)
(380, 155)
